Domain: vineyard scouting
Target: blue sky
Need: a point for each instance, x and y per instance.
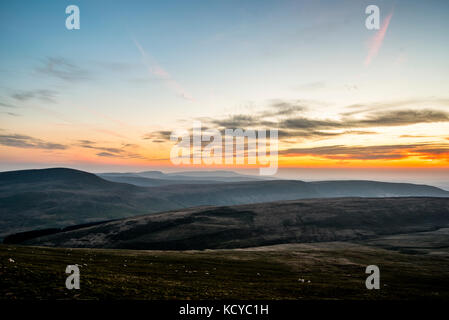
(137, 67)
(239, 50)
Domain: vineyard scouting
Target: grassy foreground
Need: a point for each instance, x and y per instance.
(330, 271)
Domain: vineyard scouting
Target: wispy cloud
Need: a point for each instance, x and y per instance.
(111, 152)
(107, 154)
(292, 122)
(23, 141)
(377, 152)
(12, 114)
(41, 94)
(400, 118)
(91, 145)
(377, 106)
(156, 70)
(376, 42)
(312, 134)
(158, 136)
(277, 109)
(375, 119)
(413, 136)
(7, 105)
(61, 68)
(286, 108)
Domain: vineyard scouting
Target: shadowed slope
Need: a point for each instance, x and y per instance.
(60, 197)
(262, 224)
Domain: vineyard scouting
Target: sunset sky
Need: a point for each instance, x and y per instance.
(344, 98)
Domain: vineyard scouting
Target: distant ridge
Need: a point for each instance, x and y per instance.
(158, 178)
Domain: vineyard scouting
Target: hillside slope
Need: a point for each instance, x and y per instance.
(313, 220)
(60, 197)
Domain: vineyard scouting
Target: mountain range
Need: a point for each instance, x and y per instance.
(61, 197)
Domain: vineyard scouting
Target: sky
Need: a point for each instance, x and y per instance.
(348, 102)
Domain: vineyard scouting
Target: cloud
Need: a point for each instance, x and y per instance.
(401, 118)
(11, 114)
(7, 105)
(435, 150)
(123, 156)
(163, 135)
(277, 108)
(412, 136)
(106, 154)
(285, 108)
(304, 123)
(42, 94)
(61, 68)
(376, 119)
(91, 145)
(130, 145)
(237, 121)
(289, 119)
(388, 152)
(86, 142)
(307, 134)
(111, 151)
(376, 42)
(23, 141)
(302, 127)
(421, 102)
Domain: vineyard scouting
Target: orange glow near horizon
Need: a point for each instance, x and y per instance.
(11, 154)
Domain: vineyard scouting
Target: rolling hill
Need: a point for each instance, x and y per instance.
(300, 221)
(60, 197)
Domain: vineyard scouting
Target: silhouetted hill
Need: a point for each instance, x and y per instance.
(52, 176)
(60, 197)
(53, 198)
(312, 220)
